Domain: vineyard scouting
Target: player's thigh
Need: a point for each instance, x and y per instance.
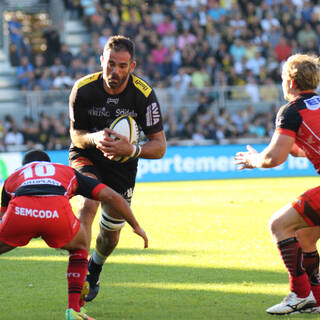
(308, 206)
(287, 218)
(87, 210)
(87, 207)
(63, 227)
(79, 241)
(17, 230)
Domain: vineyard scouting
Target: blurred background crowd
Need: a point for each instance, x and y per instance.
(180, 44)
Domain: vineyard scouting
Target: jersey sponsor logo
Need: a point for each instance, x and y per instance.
(73, 275)
(113, 100)
(279, 121)
(153, 114)
(99, 112)
(313, 103)
(142, 86)
(41, 181)
(42, 214)
(125, 112)
(129, 193)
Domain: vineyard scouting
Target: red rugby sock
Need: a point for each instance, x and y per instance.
(291, 254)
(76, 274)
(311, 265)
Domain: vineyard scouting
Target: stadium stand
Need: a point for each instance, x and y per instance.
(215, 65)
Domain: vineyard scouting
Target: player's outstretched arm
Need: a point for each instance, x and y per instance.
(118, 204)
(273, 155)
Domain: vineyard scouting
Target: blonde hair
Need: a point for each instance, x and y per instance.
(304, 69)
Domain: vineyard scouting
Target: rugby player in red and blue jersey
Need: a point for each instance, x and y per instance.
(297, 133)
(35, 203)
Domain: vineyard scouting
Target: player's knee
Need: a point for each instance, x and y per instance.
(275, 226)
(109, 223)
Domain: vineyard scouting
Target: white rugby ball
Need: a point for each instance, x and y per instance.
(126, 126)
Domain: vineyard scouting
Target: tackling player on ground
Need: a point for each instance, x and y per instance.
(95, 102)
(297, 132)
(35, 202)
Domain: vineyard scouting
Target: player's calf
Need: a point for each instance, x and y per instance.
(107, 240)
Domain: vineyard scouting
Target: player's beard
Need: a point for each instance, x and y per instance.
(115, 82)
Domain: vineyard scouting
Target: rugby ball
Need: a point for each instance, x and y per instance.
(126, 126)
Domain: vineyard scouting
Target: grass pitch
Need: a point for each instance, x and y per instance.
(211, 257)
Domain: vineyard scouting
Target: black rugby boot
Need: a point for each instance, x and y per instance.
(93, 279)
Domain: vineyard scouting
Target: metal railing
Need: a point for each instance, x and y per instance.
(230, 97)
(1, 26)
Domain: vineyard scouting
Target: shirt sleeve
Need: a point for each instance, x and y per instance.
(151, 121)
(77, 113)
(87, 186)
(5, 198)
(288, 120)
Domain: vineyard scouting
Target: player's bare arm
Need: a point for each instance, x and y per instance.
(154, 148)
(84, 139)
(273, 155)
(118, 204)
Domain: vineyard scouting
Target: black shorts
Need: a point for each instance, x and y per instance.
(120, 177)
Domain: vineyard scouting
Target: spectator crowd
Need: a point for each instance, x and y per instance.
(182, 44)
(48, 133)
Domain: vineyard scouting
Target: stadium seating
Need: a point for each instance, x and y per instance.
(228, 35)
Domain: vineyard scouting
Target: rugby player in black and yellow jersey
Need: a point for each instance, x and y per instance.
(95, 101)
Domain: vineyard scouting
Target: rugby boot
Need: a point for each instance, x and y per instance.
(74, 315)
(93, 279)
(291, 303)
(308, 310)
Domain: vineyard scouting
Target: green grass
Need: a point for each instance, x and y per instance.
(211, 257)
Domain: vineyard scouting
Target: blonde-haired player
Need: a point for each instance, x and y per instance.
(297, 132)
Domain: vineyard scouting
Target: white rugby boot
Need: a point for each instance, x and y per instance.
(308, 310)
(292, 303)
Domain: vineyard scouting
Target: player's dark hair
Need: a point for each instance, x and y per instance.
(121, 43)
(35, 155)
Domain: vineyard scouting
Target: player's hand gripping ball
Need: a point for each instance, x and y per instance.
(126, 126)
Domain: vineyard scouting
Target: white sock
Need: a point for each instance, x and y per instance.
(98, 258)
